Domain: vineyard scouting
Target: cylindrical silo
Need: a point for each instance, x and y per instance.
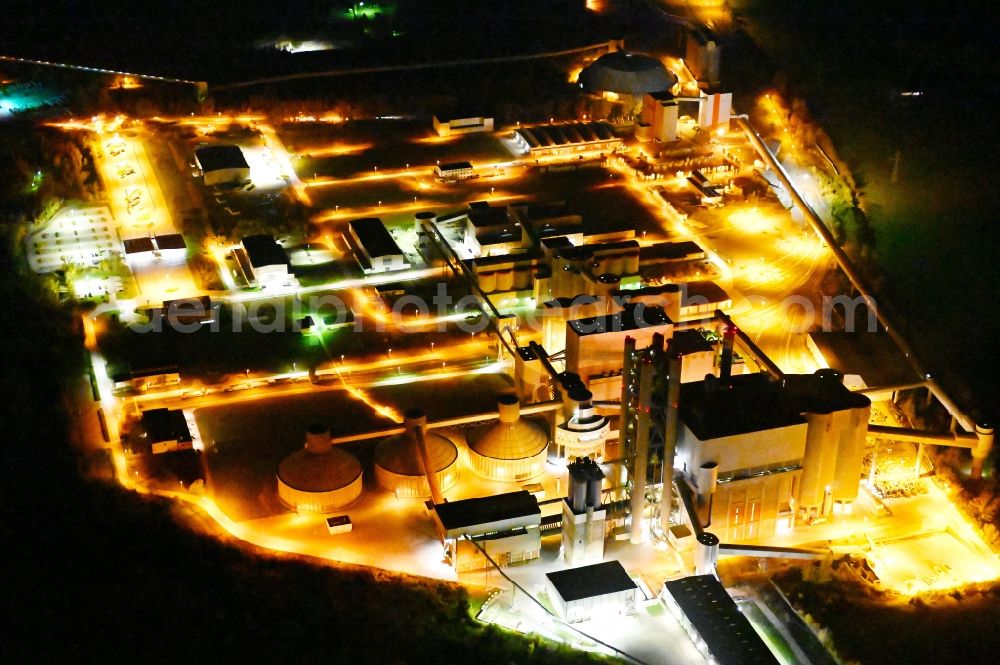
(615, 264)
(522, 278)
(594, 484)
(851, 453)
(984, 431)
(820, 461)
(578, 487)
(422, 218)
(488, 281)
(319, 483)
(400, 469)
(632, 262)
(511, 449)
(317, 439)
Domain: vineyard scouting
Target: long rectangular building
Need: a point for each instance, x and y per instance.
(714, 622)
(505, 526)
(566, 138)
(374, 246)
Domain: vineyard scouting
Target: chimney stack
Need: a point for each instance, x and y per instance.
(726, 361)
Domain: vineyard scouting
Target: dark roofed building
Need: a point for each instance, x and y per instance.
(264, 250)
(821, 392)
(374, 246)
(702, 605)
(504, 528)
(138, 245)
(707, 290)
(632, 317)
(671, 251)
(754, 402)
(563, 138)
(222, 164)
(712, 409)
(215, 157)
(265, 261)
(626, 73)
(490, 513)
(686, 342)
(164, 430)
(170, 241)
(579, 594)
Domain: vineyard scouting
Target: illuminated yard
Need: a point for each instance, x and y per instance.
(932, 562)
(244, 443)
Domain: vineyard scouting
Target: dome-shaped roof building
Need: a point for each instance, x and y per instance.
(511, 449)
(319, 478)
(625, 73)
(399, 468)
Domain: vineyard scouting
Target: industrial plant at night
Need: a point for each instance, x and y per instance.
(580, 343)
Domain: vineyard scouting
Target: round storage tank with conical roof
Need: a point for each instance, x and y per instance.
(626, 73)
(510, 449)
(319, 482)
(399, 470)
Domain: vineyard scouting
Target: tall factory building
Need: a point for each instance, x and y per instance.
(760, 453)
(584, 515)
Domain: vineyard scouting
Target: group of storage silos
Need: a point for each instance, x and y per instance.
(323, 478)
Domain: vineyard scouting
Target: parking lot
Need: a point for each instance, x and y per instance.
(78, 236)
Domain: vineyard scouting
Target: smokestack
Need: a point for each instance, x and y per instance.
(656, 344)
(416, 423)
(726, 362)
(979, 454)
(707, 554)
(626, 435)
(641, 461)
(705, 480)
(670, 437)
(594, 483)
(584, 485)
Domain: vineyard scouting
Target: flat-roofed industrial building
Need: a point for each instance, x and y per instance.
(222, 164)
(263, 261)
(449, 125)
(714, 623)
(374, 247)
(590, 592)
(505, 526)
